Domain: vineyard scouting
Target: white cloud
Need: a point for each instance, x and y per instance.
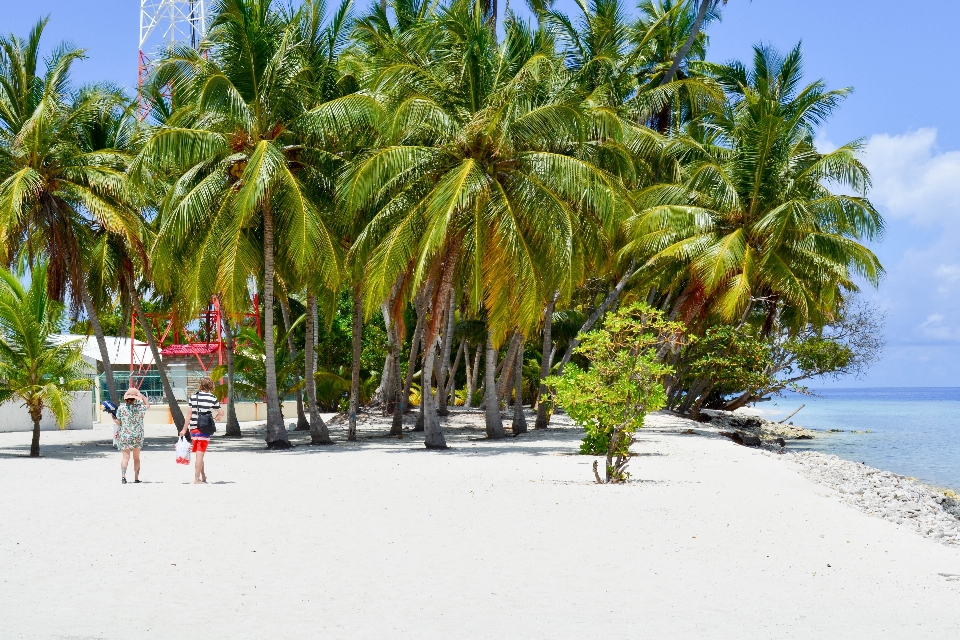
(823, 143)
(912, 179)
(935, 328)
(916, 187)
(948, 272)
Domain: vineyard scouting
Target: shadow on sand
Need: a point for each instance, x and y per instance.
(463, 429)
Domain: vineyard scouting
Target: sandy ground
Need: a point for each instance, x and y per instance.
(511, 539)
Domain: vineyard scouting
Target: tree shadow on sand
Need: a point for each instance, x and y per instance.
(464, 432)
(90, 449)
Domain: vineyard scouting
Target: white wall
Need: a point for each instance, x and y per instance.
(159, 413)
(14, 417)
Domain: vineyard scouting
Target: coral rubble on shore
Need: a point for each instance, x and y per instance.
(884, 494)
(933, 513)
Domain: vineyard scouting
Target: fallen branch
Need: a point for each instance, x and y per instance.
(792, 414)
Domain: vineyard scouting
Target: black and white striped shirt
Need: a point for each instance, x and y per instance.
(204, 402)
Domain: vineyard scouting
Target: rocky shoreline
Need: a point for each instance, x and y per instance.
(933, 513)
(930, 512)
(767, 431)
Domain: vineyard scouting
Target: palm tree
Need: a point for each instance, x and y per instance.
(478, 181)
(232, 428)
(34, 368)
(663, 29)
(250, 359)
(102, 284)
(319, 434)
(701, 18)
(243, 188)
(752, 226)
(62, 162)
(598, 45)
(338, 139)
(119, 274)
(615, 62)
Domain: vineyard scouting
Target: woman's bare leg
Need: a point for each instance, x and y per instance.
(123, 463)
(198, 474)
(136, 465)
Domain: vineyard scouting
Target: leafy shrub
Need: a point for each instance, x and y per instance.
(622, 384)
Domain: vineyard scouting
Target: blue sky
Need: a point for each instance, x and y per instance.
(904, 105)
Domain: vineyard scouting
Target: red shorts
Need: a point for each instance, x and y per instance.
(200, 441)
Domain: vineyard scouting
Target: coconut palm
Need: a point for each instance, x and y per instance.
(662, 31)
(701, 18)
(62, 161)
(244, 182)
(36, 369)
(616, 61)
(479, 183)
(120, 275)
(753, 226)
(340, 139)
(250, 359)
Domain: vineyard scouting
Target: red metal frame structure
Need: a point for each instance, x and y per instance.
(136, 362)
(211, 318)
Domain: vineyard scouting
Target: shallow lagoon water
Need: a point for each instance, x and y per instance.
(915, 431)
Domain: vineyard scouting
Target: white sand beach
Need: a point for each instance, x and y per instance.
(510, 539)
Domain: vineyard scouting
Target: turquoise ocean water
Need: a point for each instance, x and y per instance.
(914, 431)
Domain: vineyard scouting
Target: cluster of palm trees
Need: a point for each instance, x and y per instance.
(493, 174)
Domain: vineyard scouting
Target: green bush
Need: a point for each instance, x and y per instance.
(622, 384)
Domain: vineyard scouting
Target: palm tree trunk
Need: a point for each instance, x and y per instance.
(172, 403)
(318, 428)
(466, 365)
(472, 381)
(91, 310)
(437, 365)
(396, 428)
(445, 358)
(35, 414)
(519, 419)
(433, 434)
(276, 431)
(451, 384)
(412, 361)
(685, 49)
(386, 391)
(507, 367)
(433, 438)
(492, 411)
(233, 425)
(477, 358)
(418, 425)
(355, 367)
(771, 315)
(545, 362)
(302, 424)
